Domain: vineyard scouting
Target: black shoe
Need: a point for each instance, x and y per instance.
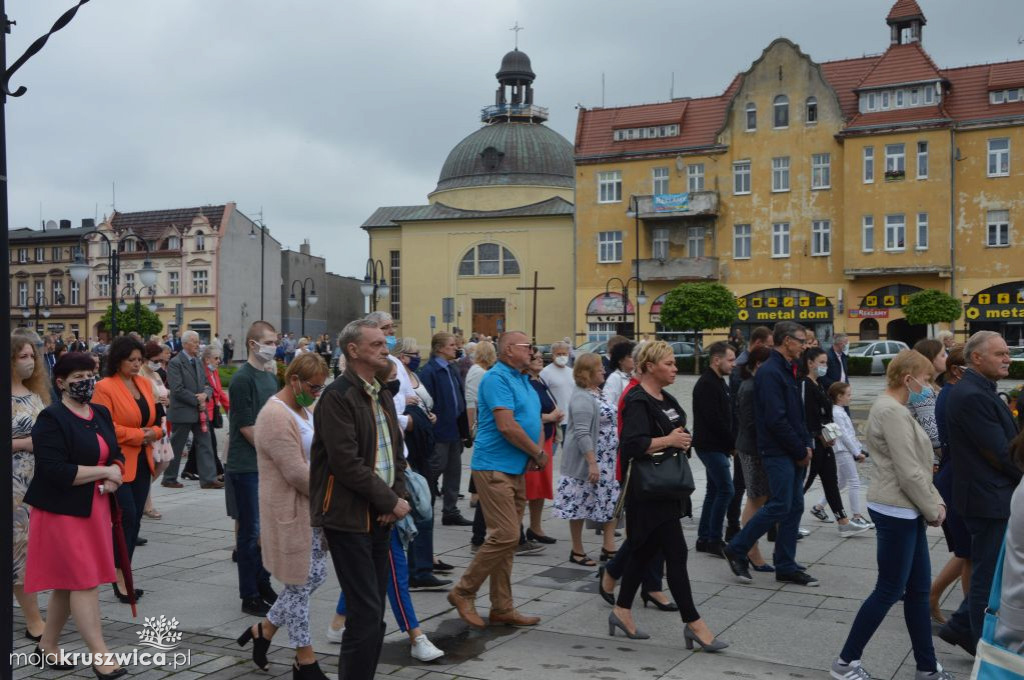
(799, 578)
(255, 606)
(260, 645)
(33, 638)
(456, 521)
(191, 476)
(669, 607)
(124, 598)
(119, 673)
(738, 564)
(310, 671)
(531, 536)
(140, 541)
(267, 593)
(234, 555)
(715, 548)
(442, 568)
(957, 639)
(606, 595)
(44, 664)
(429, 583)
(731, 531)
(701, 545)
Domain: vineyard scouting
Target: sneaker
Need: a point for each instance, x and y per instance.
(801, 532)
(424, 650)
(851, 529)
(334, 636)
(938, 674)
(529, 548)
(799, 578)
(255, 606)
(738, 565)
(429, 583)
(820, 513)
(849, 671)
(862, 522)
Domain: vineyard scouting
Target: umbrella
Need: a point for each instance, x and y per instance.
(121, 552)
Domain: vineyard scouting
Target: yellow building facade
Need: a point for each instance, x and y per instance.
(821, 193)
(502, 211)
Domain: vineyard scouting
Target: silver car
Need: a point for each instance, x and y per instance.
(877, 350)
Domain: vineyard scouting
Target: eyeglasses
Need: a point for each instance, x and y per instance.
(524, 344)
(411, 354)
(802, 341)
(315, 389)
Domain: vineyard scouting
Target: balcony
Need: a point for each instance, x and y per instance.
(674, 206)
(679, 269)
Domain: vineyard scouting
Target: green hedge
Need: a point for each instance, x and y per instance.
(1017, 370)
(858, 365)
(885, 365)
(225, 375)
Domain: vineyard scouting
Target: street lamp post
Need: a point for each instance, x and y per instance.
(641, 299)
(306, 300)
(131, 290)
(373, 287)
(635, 200)
(263, 247)
(40, 301)
(80, 269)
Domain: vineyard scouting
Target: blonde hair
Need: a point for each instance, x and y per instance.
(583, 368)
(38, 383)
(485, 355)
(652, 353)
(907, 362)
(306, 366)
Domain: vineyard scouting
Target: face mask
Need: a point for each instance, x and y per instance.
(562, 361)
(81, 390)
(414, 363)
(924, 395)
(391, 341)
(304, 400)
(265, 352)
(154, 366)
(24, 368)
(822, 370)
(393, 387)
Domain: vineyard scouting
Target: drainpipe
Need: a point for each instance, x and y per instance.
(952, 220)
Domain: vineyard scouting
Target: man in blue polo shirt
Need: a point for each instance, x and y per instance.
(508, 440)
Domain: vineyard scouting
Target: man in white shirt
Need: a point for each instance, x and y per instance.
(558, 377)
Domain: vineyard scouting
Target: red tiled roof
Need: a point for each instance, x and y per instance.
(152, 223)
(1006, 75)
(844, 75)
(907, 63)
(968, 99)
(905, 9)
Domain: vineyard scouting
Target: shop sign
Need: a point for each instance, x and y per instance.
(671, 203)
(1001, 302)
(896, 295)
(757, 308)
(610, 318)
(869, 313)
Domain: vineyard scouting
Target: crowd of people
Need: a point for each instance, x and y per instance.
(350, 471)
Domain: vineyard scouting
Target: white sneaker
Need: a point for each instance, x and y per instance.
(803, 532)
(334, 636)
(424, 650)
(848, 671)
(851, 529)
(861, 522)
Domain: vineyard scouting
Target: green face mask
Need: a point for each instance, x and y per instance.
(303, 399)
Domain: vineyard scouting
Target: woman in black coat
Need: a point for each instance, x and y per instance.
(70, 545)
(653, 422)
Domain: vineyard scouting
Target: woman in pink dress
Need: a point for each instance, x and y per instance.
(70, 545)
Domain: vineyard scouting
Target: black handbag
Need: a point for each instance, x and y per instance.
(665, 476)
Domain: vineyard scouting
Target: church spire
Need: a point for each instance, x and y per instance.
(905, 22)
(513, 99)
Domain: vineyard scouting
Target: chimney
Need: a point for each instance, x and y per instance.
(88, 222)
(65, 224)
(304, 248)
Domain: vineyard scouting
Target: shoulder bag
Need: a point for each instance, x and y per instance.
(993, 661)
(664, 476)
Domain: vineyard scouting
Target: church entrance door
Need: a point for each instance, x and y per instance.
(489, 316)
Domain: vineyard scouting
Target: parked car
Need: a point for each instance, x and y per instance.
(595, 346)
(682, 349)
(877, 350)
(1017, 354)
(545, 351)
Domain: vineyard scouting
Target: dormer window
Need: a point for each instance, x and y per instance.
(627, 134)
(173, 243)
(200, 241)
(1010, 96)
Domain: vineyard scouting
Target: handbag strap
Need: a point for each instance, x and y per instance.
(995, 594)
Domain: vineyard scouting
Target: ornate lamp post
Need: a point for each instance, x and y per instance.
(641, 299)
(131, 290)
(373, 287)
(306, 300)
(263, 247)
(40, 301)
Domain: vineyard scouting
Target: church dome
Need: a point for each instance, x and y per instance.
(508, 154)
(515, 65)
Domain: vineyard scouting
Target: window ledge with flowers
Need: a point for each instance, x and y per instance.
(894, 175)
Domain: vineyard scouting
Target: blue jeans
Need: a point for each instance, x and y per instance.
(904, 571)
(785, 507)
(398, 588)
(719, 493)
(986, 540)
(250, 560)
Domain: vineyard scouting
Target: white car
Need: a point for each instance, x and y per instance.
(877, 350)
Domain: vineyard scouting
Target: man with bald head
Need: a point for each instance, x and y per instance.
(981, 429)
(508, 441)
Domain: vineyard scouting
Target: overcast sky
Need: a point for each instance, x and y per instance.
(319, 111)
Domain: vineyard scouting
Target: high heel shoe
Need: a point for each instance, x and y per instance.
(615, 622)
(260, 645)
(33, 638)
(607, 554)
(124, 598)
(309, 671)
(607, 596)
(715, 645)
(44, 664)
(120, 672)
(663, 606)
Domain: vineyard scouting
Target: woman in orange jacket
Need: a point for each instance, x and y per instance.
(129, 398)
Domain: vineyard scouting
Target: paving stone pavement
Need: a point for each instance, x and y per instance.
(775, 631)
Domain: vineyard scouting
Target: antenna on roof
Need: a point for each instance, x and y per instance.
(602, 89)
(113, 196)
(672, 87)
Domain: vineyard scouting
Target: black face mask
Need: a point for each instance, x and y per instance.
(393, 387)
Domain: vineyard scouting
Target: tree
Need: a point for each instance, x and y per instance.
(931, 307)
(697, 307)
(149, 323)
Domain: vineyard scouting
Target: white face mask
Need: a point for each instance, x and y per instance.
(154, 366)
(265, 352)
(562, 361)
(822, 370)
(24, 367)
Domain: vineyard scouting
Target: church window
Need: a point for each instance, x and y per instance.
(489, 259)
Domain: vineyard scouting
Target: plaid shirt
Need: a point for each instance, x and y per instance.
(384, 465)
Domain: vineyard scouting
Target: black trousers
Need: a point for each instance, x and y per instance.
(361, 564)
(131, 498)
(190, 462)
(667, 538)
(732, 513)
(823, 464)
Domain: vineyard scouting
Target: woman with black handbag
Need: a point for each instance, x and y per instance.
(657, 489)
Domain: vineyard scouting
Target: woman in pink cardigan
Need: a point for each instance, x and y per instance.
(293, 551)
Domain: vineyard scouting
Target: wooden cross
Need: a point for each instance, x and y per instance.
(516, 30)
(535, 288)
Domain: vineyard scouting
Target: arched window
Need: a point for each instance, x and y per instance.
(200, 241)
(812, 110)
(751, 117)
(489, 259)
(781, 107)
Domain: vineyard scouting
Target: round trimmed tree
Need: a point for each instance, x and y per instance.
(929, 307)
(698, 307)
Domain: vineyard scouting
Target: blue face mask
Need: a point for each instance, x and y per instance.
(414, 363)
(924, 395)
(391, 341)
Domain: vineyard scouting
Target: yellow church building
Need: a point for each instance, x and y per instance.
(502, 211)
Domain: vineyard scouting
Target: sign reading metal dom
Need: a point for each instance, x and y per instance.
(1005, 301)
(784, 304)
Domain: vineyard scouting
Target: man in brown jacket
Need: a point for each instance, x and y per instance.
(357, 489)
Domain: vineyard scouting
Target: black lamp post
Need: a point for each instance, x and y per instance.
(80, 269)
(641, 299)
(131, 290)
(373, 287)
(306, 300)
(40, 301)
(263, 247)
